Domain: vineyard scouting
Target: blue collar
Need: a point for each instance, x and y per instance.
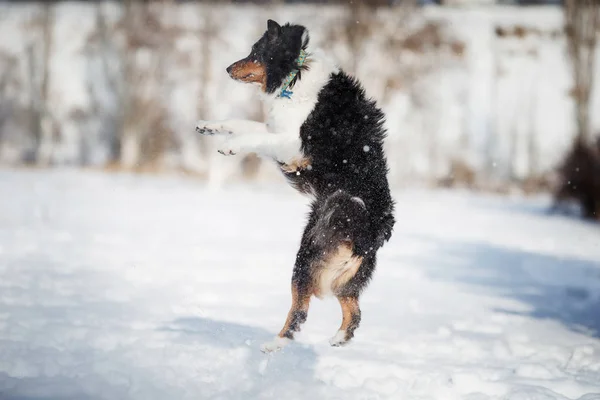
(286, 84)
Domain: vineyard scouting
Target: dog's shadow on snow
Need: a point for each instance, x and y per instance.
(563, 289)
(293, 365)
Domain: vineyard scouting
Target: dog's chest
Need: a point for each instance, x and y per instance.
(288, 115)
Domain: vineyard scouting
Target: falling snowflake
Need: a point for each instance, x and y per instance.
(366, 149)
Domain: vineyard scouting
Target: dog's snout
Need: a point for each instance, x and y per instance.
(229, 69)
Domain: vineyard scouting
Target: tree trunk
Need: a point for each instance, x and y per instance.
(128, 142)
(582, 21)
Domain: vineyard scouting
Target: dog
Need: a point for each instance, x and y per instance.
(327, 138)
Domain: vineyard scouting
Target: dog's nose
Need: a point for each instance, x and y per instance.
(229, 69)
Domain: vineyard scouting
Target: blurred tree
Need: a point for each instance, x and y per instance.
(7, 70)
(144, 136)
(38, 61)
(579, 174)
(582, 21)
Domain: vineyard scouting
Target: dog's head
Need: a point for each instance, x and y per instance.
(273, 57)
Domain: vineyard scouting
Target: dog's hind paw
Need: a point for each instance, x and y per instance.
(274, 345)
(339, 339)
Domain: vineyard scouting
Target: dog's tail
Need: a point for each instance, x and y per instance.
(343, 218)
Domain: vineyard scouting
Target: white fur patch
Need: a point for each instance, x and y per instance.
(305, 38)
(234, 126)
(337, 270)
(338, 339)
(286, 116)
(274, 345)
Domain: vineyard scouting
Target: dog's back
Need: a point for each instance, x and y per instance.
(342, 142)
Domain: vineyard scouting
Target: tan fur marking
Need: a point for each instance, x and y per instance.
(336, 270)
(299, 303)
(296, 164)
(349, 308)
(250, 72)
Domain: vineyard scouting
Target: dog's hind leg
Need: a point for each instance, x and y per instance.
(302, 290)
(350, 320)
(296, 317)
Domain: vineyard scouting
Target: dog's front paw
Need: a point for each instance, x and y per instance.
(211, 128)
(205, 128)
(229, 147)
(274, 345)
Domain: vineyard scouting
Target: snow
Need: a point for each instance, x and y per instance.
(154, 287)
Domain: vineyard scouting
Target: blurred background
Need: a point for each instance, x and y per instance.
(487, 94)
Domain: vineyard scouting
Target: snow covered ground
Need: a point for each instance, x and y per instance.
(140, 287)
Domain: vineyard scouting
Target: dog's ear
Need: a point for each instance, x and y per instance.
(305, 38)
(273, 29)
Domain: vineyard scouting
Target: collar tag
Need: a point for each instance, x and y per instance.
(286, 93)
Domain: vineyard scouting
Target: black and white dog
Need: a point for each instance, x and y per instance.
(327, 138)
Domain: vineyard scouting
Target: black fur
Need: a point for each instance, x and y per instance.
(343, 137)
(354, 323)
(298, 318)
(278, 49)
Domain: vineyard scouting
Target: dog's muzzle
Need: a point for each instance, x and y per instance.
(247, 70)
